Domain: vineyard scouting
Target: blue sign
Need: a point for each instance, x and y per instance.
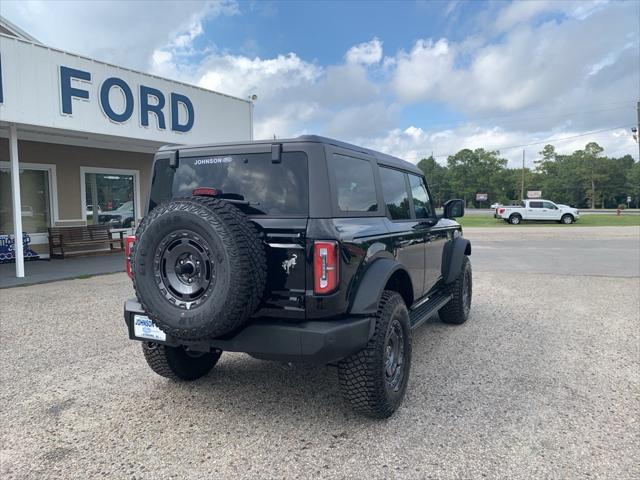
(152, 101)
(7, 249)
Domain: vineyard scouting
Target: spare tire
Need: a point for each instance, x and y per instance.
(199, 267)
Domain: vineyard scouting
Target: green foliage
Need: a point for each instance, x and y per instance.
(586, 178)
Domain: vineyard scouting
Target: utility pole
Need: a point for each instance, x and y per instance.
(522, 187)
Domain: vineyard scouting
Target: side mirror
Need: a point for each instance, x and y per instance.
(454, 208)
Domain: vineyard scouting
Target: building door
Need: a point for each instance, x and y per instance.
(35, 196)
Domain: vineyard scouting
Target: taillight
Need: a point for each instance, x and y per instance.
(325, 267)
(128, 243)
(500, 211)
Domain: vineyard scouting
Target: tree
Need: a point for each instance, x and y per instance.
(472, 171)
(594, 167)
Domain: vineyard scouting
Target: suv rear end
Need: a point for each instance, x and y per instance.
(283, 189)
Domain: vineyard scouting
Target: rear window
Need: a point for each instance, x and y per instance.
(269, 188)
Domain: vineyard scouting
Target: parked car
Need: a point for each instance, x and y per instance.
(309, 250)
(538, 210)
(121, 217)
(89, 210)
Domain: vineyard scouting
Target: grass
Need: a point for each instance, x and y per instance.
(585, 221)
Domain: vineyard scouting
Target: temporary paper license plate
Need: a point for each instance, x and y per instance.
(143, 327)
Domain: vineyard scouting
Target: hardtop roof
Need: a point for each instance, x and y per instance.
(383, 158)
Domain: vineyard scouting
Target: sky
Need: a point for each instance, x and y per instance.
(411, 78)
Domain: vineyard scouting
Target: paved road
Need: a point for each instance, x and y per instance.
(604, 251)
(542, 382)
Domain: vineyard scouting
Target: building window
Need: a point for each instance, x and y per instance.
(110, 198)
(34, 196)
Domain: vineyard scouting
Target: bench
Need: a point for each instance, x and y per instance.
(61, 237)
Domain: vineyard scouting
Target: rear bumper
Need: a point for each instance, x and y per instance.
(313, 341)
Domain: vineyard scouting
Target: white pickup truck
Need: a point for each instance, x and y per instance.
(537, 210)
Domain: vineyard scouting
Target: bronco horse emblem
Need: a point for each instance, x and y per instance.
(290, 263)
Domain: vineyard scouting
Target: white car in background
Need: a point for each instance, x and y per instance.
(538, 210)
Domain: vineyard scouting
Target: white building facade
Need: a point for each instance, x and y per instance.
(77, 138)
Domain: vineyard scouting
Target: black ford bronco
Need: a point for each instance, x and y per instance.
(308, 250)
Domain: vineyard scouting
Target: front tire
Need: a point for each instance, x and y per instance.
(177, 363)
(567, 219)
(456, 311)
(374, 380)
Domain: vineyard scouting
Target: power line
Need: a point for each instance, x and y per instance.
(549, 140)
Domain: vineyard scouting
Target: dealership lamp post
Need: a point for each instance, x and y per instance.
(15, 196)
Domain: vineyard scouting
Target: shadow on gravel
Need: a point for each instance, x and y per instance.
(245, 387)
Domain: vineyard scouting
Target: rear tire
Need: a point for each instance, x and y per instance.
(374, 380)
(567, 219)
(456, 311)
(177, 363)
(515, 219)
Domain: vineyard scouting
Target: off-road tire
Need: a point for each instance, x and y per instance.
(456, 311)
(178, 364)
(362, 375)
(567, 219)
(236, 255)
(515, 219)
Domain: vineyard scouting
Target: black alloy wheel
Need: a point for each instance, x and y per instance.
(184, 268)
(394, 356)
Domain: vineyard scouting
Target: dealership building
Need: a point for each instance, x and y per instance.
(77, 138)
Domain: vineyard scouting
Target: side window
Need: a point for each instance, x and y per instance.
(421, 202)
(355, 185)
(395, 193)
(535, 204)
(549, 205)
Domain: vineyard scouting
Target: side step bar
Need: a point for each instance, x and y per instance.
(426, 310)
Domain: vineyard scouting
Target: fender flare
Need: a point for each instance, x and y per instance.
(372, 285)
(452, 257)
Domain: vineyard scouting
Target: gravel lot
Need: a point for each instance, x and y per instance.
(542, 382)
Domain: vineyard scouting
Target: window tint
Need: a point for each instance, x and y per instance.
(269, 188)
(421, 202)
(548, 205)
(395, 193)
(354, 184)
(535, 204)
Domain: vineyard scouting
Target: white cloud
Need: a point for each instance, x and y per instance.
(414, 143)
(424, 72)
(124, 33)
(516, 13)
(547, 69)
(367, 53)
(240, 75)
